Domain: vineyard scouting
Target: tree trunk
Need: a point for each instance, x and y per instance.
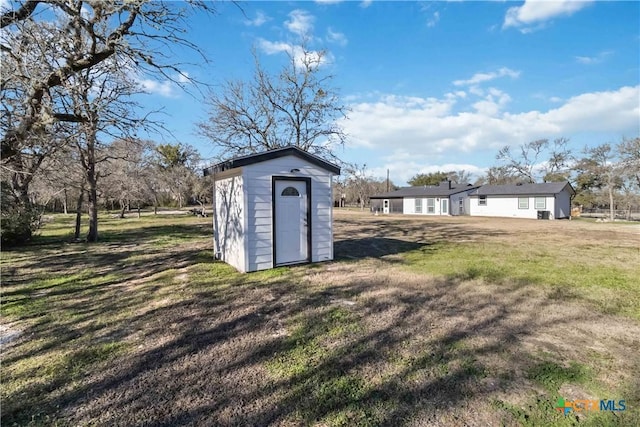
(123, 206)
(65, 202)
(612, 214)
(76, 234)
(92, 181)
(92, 235)
(138, 209)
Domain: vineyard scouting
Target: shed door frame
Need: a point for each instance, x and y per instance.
(307, 182)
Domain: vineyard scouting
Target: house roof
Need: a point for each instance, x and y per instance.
(522, 189)
(434, 190)
(270, 155)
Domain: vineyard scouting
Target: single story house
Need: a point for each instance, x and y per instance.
(446, 198)
(549, 200)
(273, 208)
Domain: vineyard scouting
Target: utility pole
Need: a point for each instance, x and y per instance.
(387, 180)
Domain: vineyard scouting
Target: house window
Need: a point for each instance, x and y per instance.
(482, 200)
(418, 208)
(523, 203)
(541, 203)
(431, 206)
(290, 191)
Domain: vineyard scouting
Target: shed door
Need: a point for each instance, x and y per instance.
(291, 211)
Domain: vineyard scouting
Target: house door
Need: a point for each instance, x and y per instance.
(444, 205)
(291, 226)
(385, 206)
(461, 207)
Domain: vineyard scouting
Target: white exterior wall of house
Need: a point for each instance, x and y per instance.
(229, 219)
(259, 227)
(409, 206)
(507, 206)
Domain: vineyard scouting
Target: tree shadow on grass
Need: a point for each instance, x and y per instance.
(253, 354)
(308, 347)
(371, 247)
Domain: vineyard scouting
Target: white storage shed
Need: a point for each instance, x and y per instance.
(272, 209)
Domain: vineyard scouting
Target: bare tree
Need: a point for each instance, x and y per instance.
(535, 158)
(602, 164)
(176, 166)
(128, 174)
(359, 185)
(42, 53)
(460, 177)
(141, 32)
(629, 152)
(296, 107)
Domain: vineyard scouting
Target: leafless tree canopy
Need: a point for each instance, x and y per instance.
(542, 157)
(68, 70)
(41, 52)
(296, 107)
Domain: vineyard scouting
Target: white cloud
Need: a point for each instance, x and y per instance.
(485, 77)
(183, 77)
(336, 37)
(260, 19)
(165, 88)
(589, 60)
(434, 20)
(365, 3)
(300, 22)
(533, 14)
(493, 103)
(329, 1)
(431, 127)
(297, 52)
(270, 48)
(403, 165)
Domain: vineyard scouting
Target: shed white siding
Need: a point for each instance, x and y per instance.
(508, 206)
(259, 232)
(229, 221)
(244, 206)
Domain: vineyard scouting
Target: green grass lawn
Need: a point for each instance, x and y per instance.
(417, 322)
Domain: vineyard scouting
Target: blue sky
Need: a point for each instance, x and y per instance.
(436, 85)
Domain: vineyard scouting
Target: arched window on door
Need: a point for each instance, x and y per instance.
(290, 191)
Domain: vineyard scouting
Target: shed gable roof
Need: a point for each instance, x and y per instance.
(523, 189)
(270, 155)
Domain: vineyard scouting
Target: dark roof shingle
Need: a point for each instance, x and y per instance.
(436, 190)
(544, 188)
